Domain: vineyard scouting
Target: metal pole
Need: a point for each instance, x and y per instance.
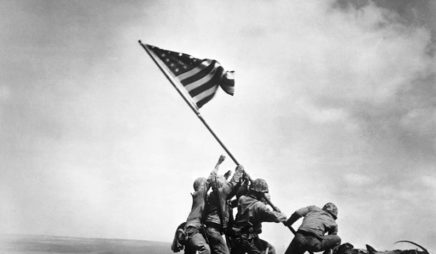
(270, 203)
(189, 103)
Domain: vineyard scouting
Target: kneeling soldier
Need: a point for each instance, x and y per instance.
(311, 234)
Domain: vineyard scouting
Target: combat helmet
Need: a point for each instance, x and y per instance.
(199, 182)
(259, 185)
(331, 209)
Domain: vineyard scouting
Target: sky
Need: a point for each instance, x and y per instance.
(334, 101)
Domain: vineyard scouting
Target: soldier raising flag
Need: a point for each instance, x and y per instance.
(197, 81)
(252, 211)
(218, 212)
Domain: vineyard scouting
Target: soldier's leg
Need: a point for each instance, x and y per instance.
(236, 247)
(216, 241)
(251, 247)
(229, 242)
(197, 242)
(297, 245)
(329, 242)
(240, 246)
(264, 246)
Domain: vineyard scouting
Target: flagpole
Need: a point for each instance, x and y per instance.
(189, 103)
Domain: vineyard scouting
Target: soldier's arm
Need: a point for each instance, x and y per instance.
(229, 189)
(233, 203)
(333, 230)
(305, 210)
(292, 219)
(214, 173)
(298, 214)
(226, 192)
(268, 215)
(242, 188)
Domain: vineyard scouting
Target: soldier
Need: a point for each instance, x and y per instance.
(193, 228)
(252, 211)
(218, 211)
(196, 241)
(311, 234)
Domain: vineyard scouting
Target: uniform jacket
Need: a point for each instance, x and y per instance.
(317, 221)
(217, 207)
(251, 214)
(198, 203)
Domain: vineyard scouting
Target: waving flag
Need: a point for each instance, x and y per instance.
(200, 78)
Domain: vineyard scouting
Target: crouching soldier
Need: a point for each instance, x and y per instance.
(252, 211)
(311, 234)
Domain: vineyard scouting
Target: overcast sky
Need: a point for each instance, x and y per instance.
(335, 101)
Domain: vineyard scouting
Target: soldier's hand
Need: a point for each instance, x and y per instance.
(292, 219)
(221, 159)
(227, 174)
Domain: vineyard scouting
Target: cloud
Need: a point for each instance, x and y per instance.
(357, 179)
(332, 103)
(378, 75)
(373, 76)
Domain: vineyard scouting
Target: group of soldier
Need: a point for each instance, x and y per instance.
(211, 227)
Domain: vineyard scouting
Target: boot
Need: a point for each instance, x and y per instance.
(328, 251)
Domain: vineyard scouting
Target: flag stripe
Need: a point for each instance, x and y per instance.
(199, 75)
(205, 86)
(206, 96)
(195, 70)
(204, 101)
(228, 83)
(201, 81)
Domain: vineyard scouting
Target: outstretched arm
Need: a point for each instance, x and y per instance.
(299, 213)
(220, 160)
(213, 175)
(230, 188)
(268, 215)
(292, 219)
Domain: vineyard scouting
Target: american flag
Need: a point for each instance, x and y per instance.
(200, 78)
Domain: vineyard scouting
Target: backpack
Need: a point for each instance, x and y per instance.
(179, 240)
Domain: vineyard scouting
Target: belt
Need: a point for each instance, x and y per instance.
(213, 225)
(306, 233)
(246, 233)
(190, 231)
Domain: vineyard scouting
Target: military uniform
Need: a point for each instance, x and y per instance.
(248, 225)
(311, 234)
(218, 212)
(193, 227)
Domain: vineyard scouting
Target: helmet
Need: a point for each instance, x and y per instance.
(199, 182)
(259, 185)
(331, 209)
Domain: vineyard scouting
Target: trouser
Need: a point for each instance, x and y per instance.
(216, 241)
(196, 242)
(306, 242)
(255, 245)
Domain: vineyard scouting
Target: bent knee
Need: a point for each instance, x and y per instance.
(337, 240)
(204, 249)
(271, 249)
